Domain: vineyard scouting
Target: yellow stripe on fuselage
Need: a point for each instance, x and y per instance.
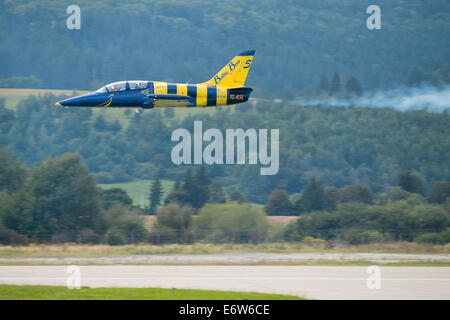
(221, 96)
(201, 95)
(160, 87)
(182, 89)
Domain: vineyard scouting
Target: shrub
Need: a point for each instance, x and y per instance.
(434, 237)
(60, 238)
(439, 192)
(354, 236)
(133, 231)
(3, 232)
(429, 218)
(173, 224)
(30, 81)
(89, 236)
(279, 204)
(238, 196)
(401, 220)
(398, 193)
(114, 237)
(128, 222)
(13, 238)
(319, 224)
(356, 193)
(115, 196)
(313, 241)
(232, 222)
(292, 232)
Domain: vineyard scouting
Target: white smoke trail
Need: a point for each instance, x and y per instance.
(430, 98)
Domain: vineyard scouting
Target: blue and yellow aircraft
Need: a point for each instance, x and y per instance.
(226, 87)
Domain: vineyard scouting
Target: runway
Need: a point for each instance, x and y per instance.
(235, 259)
(313, 282)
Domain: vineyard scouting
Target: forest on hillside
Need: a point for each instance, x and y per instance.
(58, 201)
(296, 43)
(339, 146)
(353, 168)
(321, 48)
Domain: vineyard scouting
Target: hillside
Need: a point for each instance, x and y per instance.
(296, 43)
(340, 146)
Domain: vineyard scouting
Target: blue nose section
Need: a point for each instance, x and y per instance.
(87, 100)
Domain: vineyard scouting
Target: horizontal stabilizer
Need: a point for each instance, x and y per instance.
(241, 90)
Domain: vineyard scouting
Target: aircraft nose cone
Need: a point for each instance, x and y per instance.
(87, 100)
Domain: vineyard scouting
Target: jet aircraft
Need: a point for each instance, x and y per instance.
(225, 88)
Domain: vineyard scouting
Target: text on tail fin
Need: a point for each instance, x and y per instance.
(234, 73)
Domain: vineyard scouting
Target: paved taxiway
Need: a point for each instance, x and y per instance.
(315, 282)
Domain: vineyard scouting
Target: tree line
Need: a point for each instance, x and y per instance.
(58, 201)
(194, 191)
(295, 47)
(351, 88)
(316, 197)
(352, 214)
(338, 146)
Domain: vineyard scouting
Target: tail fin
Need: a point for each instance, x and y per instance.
(233, 75)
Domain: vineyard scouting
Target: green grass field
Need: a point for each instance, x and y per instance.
(134, 189)
(102, 250)
(15, 292)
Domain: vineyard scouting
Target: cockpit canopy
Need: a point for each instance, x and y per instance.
(123, 85)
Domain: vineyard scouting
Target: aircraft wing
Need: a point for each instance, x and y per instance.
(169, 100)
(169, 97)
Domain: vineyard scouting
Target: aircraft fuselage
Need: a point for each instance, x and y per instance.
(224, 88)
(155, 94)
